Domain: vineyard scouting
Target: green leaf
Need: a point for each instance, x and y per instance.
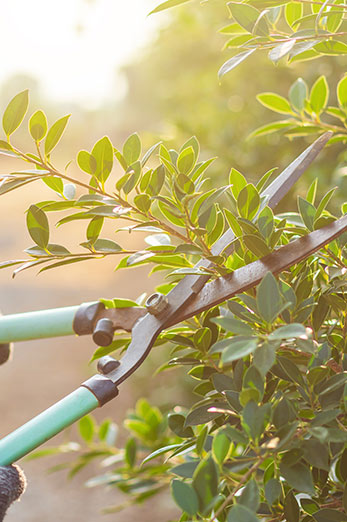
(281, 50)
(331, 47)
(130, 452)
(255, 418)
(103, 155)
(298, 477)
(55, 133)
(293, 11)
(132, 149)
(186, 160)
(248, 201)
(201, 414)
(256, 245)
(205, 482)
(237, 182)
(86, 162)
(54, 183)
(38, 125)
(273, 490)
(307, 212)
(342, 92)
(249, 18)
(38, 226)
(274, 102)
(142, 202)
(288, 332)
(232, 325)
(233, 62)
(319, 94)
(167, 5)
(264, 357)
(94, 229)
(177, 425)
(329, 515)
(269, 300)
(86, 428)
(220, 447)
(240, 513)
(298, 93)
(238, 349)
(185, 496)
(15, 112)
(250, 496)
(291, 507)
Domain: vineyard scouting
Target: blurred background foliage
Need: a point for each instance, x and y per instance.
(174, 93)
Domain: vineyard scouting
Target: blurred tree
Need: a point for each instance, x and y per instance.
(173, 91)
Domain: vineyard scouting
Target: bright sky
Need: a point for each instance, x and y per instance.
(74, 47)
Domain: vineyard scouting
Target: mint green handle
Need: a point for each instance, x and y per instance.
(47, 424)
(37, 325)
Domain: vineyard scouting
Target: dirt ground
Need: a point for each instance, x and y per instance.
(41, 372)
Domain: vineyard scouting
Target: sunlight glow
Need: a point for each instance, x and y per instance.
(73, 47)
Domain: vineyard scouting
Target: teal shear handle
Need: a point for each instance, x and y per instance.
(44, 324)
(56, 418)
(37, 325)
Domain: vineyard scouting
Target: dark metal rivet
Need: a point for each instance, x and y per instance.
(157, 303)
(107, 364)
(103, 332)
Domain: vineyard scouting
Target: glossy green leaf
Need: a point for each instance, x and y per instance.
(269, 298)
(220, 447)
(249, 18)
(319, 94)
(86, 428)
(331, 47)
(307, 212)
(281, 50)
(186, 160)
(15, 112)
(329, 515)
(167, 5)
(291, 507)
(342, 92)
(237, 350)
(55, 133)
(240, 513)
(38, 125)
(255, 419)
(38, 226)
(233, 62)
(248, 201)
(232, 325)
(130, 452)
(185, 496)
(250, 496)
(298, 477)
(264, 357)
(293, 11)
(298, 94)
(274, 102)
(273, 490)
(205, 482)
(132, 149)
(94, 228)
(288, 332)
(103, 155)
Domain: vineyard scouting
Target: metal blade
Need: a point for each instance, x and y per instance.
(148, 328)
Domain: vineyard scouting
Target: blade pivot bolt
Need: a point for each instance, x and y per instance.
(157, 303)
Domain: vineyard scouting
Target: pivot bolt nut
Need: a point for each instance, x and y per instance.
(157, 303)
